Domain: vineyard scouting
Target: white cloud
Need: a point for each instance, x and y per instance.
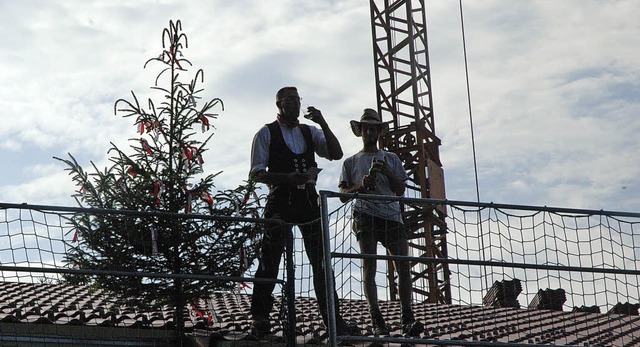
(552, 92)
(553, 88)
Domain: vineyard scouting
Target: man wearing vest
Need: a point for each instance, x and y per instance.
(281, 154)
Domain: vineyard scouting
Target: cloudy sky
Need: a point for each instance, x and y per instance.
(554, 88)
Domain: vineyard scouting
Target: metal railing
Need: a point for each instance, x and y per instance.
(574, 249)
(577, 250)
(35, 239)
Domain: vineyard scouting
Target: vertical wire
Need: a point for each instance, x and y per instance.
(473, 142)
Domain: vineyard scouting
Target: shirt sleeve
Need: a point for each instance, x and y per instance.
(260, 150)
(345, 177)
(397, 167)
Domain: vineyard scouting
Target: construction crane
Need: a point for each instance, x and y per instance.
(403, 89)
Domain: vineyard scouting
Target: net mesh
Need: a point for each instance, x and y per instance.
(590, 255)
(561, 259)
(33, 239)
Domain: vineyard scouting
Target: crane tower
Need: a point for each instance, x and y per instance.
(403, 90)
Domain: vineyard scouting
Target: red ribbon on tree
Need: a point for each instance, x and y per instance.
(143, 126)
(245, 200)
(158, 189)
(191, 153)
(187, 205)
(120, 183)
(200, 159)
(205, 122)
(207, 198)
(132, 171)
(146, 147)
(199, 314)
(187, 151)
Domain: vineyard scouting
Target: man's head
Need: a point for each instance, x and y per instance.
(369, 119)
(288, 103)
(370, 127)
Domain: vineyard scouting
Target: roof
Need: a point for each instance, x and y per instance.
(225, 317)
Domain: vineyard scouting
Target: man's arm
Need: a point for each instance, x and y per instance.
(333, 145)
(335, 150)
(347, 185)
(396, 184)
(260, 159)
(350, 190)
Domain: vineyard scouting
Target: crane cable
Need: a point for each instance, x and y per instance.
(473, 142)
(466, 71)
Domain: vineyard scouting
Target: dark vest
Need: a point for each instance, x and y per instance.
(291, 204)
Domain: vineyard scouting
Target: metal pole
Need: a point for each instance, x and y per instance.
(290, 289)
(328, 274)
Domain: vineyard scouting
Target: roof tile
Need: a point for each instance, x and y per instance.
(225, 316)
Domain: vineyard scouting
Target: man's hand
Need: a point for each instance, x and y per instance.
(396, 185)
(295, 179)
(333, 145)
(382, 167)
(368, 182)
(315, 115)
(290, 179)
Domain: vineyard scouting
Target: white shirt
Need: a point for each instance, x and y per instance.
(294, 140)
(357, 166)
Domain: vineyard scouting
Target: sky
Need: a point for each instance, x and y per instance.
(554, 89)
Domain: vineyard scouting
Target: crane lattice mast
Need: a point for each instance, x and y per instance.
(403, 89)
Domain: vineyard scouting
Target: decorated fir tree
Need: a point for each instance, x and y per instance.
(162, 172)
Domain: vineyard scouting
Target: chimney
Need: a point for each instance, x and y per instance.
(548, 299)
(503, 294)
(626, 308)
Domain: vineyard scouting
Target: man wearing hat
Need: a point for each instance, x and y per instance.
(283, 157)
(378, 172)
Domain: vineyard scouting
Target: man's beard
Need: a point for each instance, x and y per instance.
(369, 140)
(291, 114)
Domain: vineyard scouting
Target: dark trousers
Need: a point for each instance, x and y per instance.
(273, 243)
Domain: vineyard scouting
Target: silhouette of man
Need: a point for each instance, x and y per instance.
(282, 153)
(378, 172)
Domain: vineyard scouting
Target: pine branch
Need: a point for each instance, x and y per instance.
(162, 170)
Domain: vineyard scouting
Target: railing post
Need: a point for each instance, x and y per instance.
(328, 274)
(290, 289)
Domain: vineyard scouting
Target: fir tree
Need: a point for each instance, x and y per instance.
(162, 172)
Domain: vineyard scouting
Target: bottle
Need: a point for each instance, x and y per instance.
(373, 171)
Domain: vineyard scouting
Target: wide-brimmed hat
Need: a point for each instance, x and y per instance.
(369, 116)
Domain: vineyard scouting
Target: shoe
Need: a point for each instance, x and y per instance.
(412, 328)
(381, 329)
(346, 329)
(379, 326)
(260, 328)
